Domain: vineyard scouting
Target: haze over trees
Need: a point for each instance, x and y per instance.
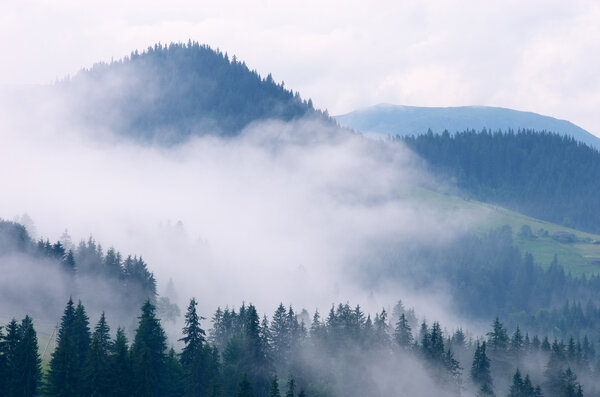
(533, 314)
(168, 93)
(242, 357)
(108, 281)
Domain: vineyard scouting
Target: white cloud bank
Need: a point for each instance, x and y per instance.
(285, 212)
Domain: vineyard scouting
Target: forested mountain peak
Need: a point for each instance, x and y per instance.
(170, 92)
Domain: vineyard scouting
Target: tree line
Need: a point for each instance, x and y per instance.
(125, 282)
(244, 355)
(486, 273)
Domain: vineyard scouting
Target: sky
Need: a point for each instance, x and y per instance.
(539, 56)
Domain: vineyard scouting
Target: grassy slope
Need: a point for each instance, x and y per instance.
(581, 257)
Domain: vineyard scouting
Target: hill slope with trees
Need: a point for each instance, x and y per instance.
(540, 174)
(168, 93)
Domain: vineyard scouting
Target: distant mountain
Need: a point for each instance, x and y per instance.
(410, 120)
(168, 93)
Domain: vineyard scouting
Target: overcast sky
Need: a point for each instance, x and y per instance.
(539, 56)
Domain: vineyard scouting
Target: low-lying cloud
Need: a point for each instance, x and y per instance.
(290, 212)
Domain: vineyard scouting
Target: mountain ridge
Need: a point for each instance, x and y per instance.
(388, 119)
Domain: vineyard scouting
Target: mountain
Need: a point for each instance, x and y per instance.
(168, 93)
(539, 174)
(411, 120)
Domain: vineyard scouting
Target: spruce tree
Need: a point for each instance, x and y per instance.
(569, 387)
(280, 335)
(174, 378)
(10, 348)
(120, 370)
(516, 388)
(425, 339)
(274, 392)
(516, 343)
(291, 387)
(194, 358)
(402, 333)
(257, 365)
(65, 369)
(28, 363)
(381, 326)
(244, 388)
(148, 354)
(433, 344)
(554, 369)
(97, 365)
(82, 337)
(486, 391)
(480, 369)
(498, 338)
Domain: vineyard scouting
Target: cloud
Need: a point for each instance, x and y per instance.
(537, 56)
(291, 212)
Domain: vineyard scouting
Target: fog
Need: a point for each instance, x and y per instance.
(292, 212)
(302, 213)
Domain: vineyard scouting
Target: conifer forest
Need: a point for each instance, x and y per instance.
(316, 199)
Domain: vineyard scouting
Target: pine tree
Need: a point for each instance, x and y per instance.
(65, 368)
(174, 377)
(120, 371)
(452, 366)
(97, 366)
(148, 354)
(68, 264)
(28, 363)
(485, 391)
(291, 387)
(113, 264)
(425, 339)
(433, 344)
(193, 357)
(274, 392)
(402, 333)
(280, 335)
(554, 369)
(244, 388)
(295, 332)
(259, 369)
(498, 338)
(10, 348)
(516, 343)
(480, 369)
(265, 338)
(381, 326)
(569, 387)
(516, 388)
(317, 328)
(82, 337)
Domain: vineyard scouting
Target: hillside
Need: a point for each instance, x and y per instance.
(543, 175)
(578, 252)
(168, 93)
(411, 120)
